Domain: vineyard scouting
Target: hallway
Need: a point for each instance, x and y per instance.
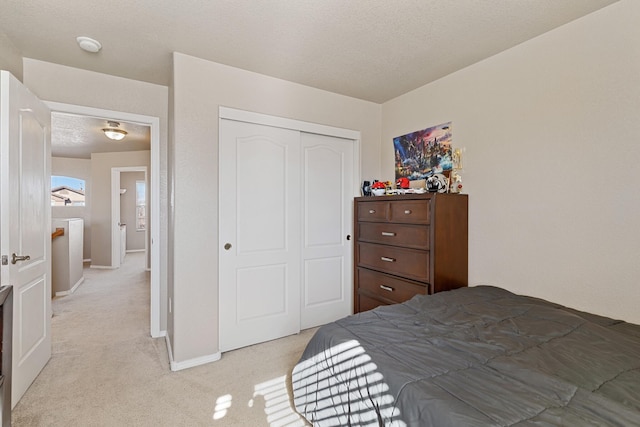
(101, 348)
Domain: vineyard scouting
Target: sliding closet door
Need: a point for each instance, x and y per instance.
(327, 285)
(260, 232)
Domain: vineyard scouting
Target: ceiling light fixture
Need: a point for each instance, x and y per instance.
(112, 132)
(89, 44)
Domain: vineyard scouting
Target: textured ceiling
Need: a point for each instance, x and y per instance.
(369, 49)
(78, 136)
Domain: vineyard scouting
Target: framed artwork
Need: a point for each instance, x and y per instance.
(423, 153)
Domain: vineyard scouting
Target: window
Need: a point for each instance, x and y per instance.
(67, 191)
(141, 206)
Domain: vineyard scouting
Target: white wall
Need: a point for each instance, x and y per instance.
(76, 168)
(552, 136)
(199, 88)
(10, 57)
(58, 83)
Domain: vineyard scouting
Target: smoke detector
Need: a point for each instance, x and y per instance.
(89, 44)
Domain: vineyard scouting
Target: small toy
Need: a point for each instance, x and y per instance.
(456, 184)
(378, 188)
(437, 183)
(402, 183)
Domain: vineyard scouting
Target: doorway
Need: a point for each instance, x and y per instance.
(128, 213)
(153, 195)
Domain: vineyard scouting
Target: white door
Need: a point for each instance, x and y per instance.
(327, 284)
(259, 231)
(25, 231)
(286, 206)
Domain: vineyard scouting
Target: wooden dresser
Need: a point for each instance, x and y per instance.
(407, 245)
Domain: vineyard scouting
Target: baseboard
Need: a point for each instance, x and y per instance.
(160, 334)
(134, 250)
(103, 267)
(86, 260)
(72, 290)
(167, 340)
(178, 366)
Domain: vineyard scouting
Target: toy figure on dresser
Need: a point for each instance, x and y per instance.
(403, 183)
(456, 184)
(456, 179)
(366, 188)
(378, 188)
(437, 183)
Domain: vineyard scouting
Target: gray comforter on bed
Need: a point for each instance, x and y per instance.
(478, 356)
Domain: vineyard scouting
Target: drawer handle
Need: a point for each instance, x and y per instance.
(384, 258)
(386, 288)
(371, 211)
(407, 212)
(387, 233)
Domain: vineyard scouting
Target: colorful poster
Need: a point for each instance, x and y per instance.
(420, 154)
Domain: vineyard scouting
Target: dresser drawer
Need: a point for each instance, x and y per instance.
(390, 289)
(409, 263)
(366, 303)
(410, 211)
(373, 211)
(410, 236)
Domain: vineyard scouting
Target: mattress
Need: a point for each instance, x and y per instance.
(477, 356)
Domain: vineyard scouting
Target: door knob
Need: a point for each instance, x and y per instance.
(348, 236)
(227, 246)
(15, 258)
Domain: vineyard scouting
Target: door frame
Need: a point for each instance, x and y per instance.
(154, 192)
(115, 213)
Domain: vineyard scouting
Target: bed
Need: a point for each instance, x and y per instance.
(477, 356)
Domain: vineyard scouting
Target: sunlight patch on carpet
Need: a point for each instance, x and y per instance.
(277, 405)
(223, 403)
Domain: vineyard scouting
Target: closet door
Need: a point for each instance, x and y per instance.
(260, 232)
(327, 179)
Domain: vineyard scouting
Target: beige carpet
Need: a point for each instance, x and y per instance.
(107, 371)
